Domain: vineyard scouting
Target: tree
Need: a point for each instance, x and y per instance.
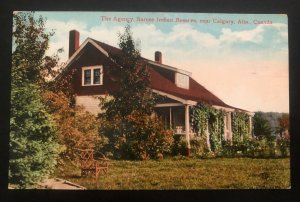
(261, 126)
(283, 124)
(128, 124)
(76, 128)
(33, 147)
(133, 83)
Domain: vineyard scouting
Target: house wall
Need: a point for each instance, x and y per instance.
(92, 57)
(90, 103)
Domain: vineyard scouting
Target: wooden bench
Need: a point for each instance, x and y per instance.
(91, 166)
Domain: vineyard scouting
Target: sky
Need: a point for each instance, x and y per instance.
(241, 58)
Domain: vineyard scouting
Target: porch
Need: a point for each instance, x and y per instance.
(175, 115)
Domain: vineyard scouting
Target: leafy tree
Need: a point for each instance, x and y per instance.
(33, 147)
(30, 42)
(261, 126)
(76, 128)
(131, 130)
(283, 124)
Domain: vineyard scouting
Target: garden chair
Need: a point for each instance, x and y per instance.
(91, 166)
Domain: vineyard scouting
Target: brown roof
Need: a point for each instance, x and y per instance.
(196, 91)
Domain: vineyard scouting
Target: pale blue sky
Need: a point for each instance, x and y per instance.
(246, 65)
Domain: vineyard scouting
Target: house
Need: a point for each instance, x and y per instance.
(94, 76)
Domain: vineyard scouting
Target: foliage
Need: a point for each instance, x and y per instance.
(203, 117)
(216, 129)
(240, 126)
(283, 145)
(76, 128)
(30, 42)
(283, 125)
(128, 123)
(198, 144)
(261, 126)
(33, 147)
(256, 148)
(143, 137)
(133, 82)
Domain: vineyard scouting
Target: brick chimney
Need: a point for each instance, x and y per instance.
(158, 57)
(73, 42)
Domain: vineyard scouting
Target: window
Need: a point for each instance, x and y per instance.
(92, 75)
(182, 80)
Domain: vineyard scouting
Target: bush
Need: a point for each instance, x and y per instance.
(283, 144)
(136, 136)
(198, 147)
(179, 146)
(258, 148)
(76, 128)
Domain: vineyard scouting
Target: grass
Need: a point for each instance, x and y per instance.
(219, 173)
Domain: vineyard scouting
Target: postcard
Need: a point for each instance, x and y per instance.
(149, 101)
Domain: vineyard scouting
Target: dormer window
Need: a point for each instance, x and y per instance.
(182, 80)
(92, 75)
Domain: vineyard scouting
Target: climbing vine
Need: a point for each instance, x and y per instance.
(199, 117)
(240, 126)
(205, 117)
(216, 129)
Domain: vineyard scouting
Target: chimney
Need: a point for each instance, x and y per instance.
(73, 42)
(158, 57)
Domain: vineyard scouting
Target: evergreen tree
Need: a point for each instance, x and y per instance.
(261, 126)
(132, 131)
(33, 147)
(133, 93)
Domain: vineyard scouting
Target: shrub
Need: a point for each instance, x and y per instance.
(198, 146)
(283, 145)
(258, 148)
(136, 136)
(76, 128)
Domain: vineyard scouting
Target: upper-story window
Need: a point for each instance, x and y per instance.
(92, 75)
(182, 80)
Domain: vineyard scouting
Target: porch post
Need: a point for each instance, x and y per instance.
(187, 128)
(170, 117)
(225, 127)
(207, 136)
(250, 125)
(229, 127)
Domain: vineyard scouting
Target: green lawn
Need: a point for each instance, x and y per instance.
(220, 173)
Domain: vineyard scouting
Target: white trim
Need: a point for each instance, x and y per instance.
(98, 47)
(227, 109)
(171, 68)
(183, 101)
(92, 68)
(169, 105)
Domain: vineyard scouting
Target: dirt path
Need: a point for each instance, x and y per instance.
(58, 183)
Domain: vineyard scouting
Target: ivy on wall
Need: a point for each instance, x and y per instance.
(216, 129)
(201, 115)
(204, 116)
(240, 126)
